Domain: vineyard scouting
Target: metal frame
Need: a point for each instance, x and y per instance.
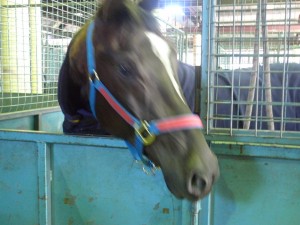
(210, 61)
(34, 39)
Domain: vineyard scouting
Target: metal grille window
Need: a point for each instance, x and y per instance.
(34, 35)
(253, 59)
(182, 24)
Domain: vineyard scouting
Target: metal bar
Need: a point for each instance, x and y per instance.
(212, 59)
(232, 73)
(196, 208)
(33, 112)
(103, 141)
(198, 86)
(210, 209)
(283, 81)
(263, 138)
(286, 83)
(249, 7)
(44, 178)
(218, 61)
(254, 75)
(251, 28)
(257, 65)
(266, 64)
(261, 103)
(205, 63)
(257, 151)
(240, 52)
(259, 55)
(53, 4)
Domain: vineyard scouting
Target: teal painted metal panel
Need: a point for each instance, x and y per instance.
(84, 180)
(94, 185)
(18, 183)
(258, 185)
(48, 120)
(44, 178)
(51, 122)
(273, 139)
(24, 123)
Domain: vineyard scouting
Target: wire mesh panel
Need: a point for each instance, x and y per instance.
(253, 73)
(182, 24)
(34, 35)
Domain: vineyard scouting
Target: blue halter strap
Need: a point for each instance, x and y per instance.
(145, 132)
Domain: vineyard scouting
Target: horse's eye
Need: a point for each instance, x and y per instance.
(124, 70)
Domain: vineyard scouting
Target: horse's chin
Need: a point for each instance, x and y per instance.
(190, 179)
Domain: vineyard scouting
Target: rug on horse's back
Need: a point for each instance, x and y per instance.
(283, 85)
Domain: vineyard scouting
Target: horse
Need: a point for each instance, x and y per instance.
(121, 70)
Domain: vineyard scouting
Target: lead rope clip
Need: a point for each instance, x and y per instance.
(149, 168)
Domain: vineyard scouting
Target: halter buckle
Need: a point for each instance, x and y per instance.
(143, 132)
(93, 76)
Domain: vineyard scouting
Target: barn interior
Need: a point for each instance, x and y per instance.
(247, 58)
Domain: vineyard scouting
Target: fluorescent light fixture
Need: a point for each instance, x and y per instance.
(174, 10)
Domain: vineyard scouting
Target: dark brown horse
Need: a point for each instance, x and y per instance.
(120, 68)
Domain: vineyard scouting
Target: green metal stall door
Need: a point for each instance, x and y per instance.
(19, 197)
(104, 186)
(67, 180)
(58, 179)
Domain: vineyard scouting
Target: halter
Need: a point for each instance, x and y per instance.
(145, 132)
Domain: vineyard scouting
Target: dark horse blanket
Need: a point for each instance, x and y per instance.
(83, 122)
(287, 87)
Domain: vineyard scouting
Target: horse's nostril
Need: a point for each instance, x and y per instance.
(198, 182)
(196, 185)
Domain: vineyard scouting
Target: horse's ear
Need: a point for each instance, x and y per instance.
(115, 10)
(148, 5)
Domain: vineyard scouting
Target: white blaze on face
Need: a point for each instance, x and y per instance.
(162, 50)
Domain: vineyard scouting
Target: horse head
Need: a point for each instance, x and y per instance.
(137, 68)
